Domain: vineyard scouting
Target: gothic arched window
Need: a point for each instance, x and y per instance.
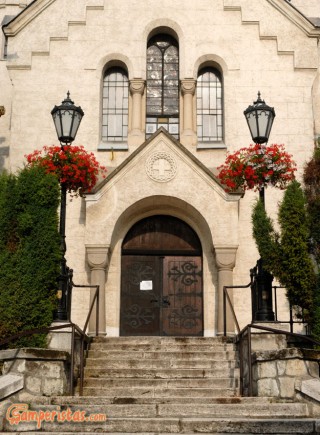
(209, 106)
(115, 105)
(162, 85)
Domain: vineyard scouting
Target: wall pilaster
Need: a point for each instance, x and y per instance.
(137, 87)
(225, 259)
(98, 261)
(188, 135)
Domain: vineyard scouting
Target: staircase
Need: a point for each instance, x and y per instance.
(171, 385)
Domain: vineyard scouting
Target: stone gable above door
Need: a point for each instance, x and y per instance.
(161, 176)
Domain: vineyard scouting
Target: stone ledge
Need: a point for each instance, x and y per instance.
(10, 384)
(34, 353)
(310, 388)
(290, 353)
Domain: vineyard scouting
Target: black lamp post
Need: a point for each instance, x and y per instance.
(260, 118)
(66, 118)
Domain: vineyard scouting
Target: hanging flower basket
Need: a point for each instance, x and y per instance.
(256, 167)
(74, 167)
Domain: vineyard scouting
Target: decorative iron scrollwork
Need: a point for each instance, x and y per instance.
(137, 316)
(140, 272)
(187, 273)
(186, 317)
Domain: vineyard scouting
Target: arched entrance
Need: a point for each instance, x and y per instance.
(161, 279)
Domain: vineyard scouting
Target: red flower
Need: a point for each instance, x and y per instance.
(72, 165)
(257, 166)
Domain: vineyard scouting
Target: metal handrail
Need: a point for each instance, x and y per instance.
(75, 333)
(226, 297)
(82, 350)
(247, 331)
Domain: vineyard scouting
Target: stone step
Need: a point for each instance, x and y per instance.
(192, 394)
(151, 410)
(124, 354)
(114, 363)
(161, 383)
(190, 425)
(162, 373)
(164, 340)
(105, 400)
(96, 347)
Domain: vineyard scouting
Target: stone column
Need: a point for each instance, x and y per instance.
(97, 257)
(225, 259)
(188, 87)
(136, 90)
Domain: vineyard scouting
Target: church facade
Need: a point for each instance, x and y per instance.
(163, 87)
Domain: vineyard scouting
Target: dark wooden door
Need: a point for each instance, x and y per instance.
(182, 289)
(140, 295)
(161, 279)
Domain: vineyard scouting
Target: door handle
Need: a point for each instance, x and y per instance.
(165, 302)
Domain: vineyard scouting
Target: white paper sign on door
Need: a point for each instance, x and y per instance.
(146, 285)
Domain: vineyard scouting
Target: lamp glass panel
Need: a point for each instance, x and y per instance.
(57, 123)
(263, 118)
(75, 125)
(66, 118)
(271, 118)
(252, 122)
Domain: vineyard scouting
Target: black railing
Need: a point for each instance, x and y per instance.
(291, 321)
(244, 337)
(76, 334)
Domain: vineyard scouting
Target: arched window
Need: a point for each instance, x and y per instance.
(209, 106)
(162, 85)
(115, 105)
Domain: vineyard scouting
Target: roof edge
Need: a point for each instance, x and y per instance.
(21, 20)
(296, 17)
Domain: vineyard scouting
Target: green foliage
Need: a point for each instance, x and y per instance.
(286, 254)
(311, 178)
(297, 268)
(29, 252)
(265, 237)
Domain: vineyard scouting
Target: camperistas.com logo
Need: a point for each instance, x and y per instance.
(18, 413)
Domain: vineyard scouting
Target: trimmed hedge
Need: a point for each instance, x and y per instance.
(29, 253)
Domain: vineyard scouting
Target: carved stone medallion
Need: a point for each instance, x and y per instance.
(161, 167)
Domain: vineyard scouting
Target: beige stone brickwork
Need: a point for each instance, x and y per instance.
(280, 373)
(58, 45)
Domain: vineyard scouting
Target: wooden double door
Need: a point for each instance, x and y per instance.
(161, 280)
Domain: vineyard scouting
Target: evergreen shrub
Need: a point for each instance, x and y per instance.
(286, 253)
(29, 253)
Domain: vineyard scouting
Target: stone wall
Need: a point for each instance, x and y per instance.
(275, 373)
(45, 371)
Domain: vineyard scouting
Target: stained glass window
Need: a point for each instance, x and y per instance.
(162, 85)
(115, 105)
(209, 106)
